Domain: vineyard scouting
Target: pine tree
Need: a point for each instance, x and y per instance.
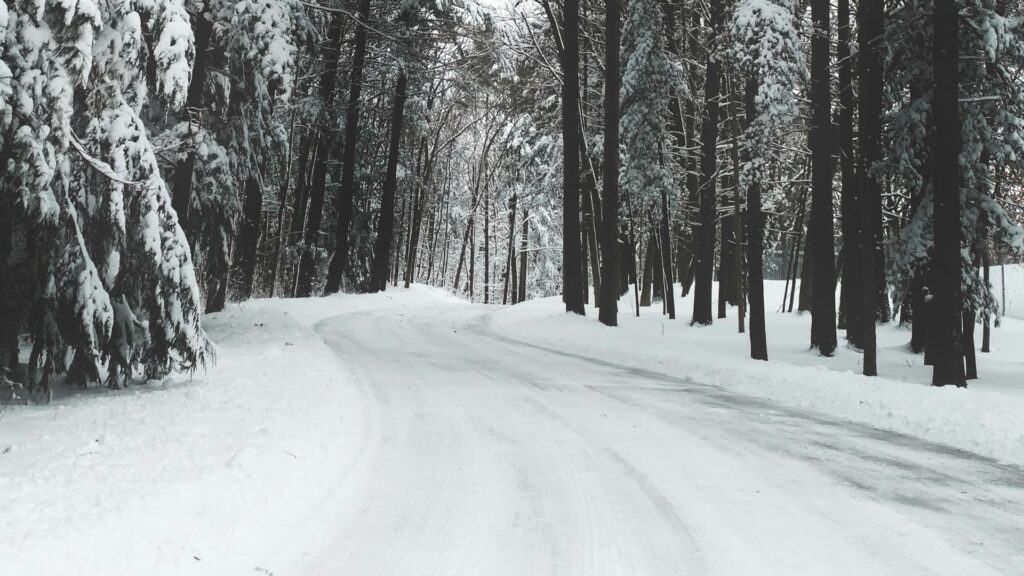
(646, 86)
(767, 48)
(105, 275)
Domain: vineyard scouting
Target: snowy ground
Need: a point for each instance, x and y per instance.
(189, 476)
(409, 433)
(987, 419)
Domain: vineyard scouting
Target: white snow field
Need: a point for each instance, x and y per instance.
(412, 434)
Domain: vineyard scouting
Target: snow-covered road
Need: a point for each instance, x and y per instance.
(480, 455)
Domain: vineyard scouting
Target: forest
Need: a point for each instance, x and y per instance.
(163, 158)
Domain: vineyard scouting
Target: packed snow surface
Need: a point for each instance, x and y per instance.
(409, 433)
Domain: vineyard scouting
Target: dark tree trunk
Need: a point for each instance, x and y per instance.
(851, 291)
(726, 254)
(572, 285)
(705, 266)
(217, 292)
(318, 186)
(970, 358)
(666, 258)
(523, 253)
(10, 312)
(947, 305)
(300, 197)
(339, 261)
(609, 257)
(470, 283)
(755, 252)
(658, 273)
(692, 163)
(823, 300)
(986, 330)
(386, 221)
(247, 241)
(510, 265)
(647, 279)
(590, 212)
(871, 101)
(487, 246)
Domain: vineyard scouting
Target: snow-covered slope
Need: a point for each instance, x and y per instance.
(200, 475)
(987, 418)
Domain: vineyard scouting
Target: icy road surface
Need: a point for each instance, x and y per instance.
(480, 455)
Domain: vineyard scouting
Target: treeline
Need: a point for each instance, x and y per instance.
(165, 156)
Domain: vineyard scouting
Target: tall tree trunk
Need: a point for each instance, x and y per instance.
(755, 251)
(609, 249)
(339, 261)
(591, 212)
(523, 253)
(851, 291)
(666, 258)
(487, 245)
(823, 299)
(647, 278)
(709, 167)
(325, 147)
(871, 102)
(510, 266)
(301, 195)
(247, 243)
(386, 221)
(572, 284)
(658, 272)
(986, 330)
(726, 248)
(947, 305)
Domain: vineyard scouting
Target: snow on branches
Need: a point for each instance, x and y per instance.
(82, 183)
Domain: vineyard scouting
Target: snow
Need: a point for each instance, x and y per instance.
(409, 433)
(184, 476)
(985, 419)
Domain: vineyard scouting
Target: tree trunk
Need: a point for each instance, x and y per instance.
(709, 167)
(666, 258)
(339, 261)
(658, 272)
(947, 305)
(247, 241)
(986, 330)
(871, 102)
(523, 252)
(300, 197)
(823, 300)
(755, 253)
(609, 256)
(386, 221)
(851, 291)
(572, 284)
(726, 253)
(487, 245)
(591, 211)
(510, 264)
(647, 280)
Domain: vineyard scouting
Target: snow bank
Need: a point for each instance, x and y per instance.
(187, 476)
(986, 419)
